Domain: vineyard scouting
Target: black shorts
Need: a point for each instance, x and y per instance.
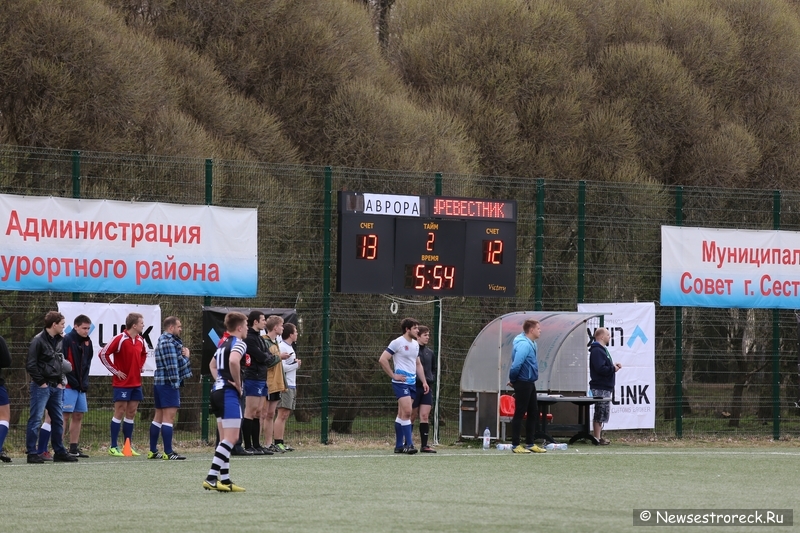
(274, 397)
(422, 398)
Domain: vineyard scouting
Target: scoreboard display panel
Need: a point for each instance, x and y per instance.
(405, 245)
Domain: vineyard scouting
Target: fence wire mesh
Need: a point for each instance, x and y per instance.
(727, 353)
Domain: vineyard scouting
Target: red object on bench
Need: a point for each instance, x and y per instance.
(508, 404)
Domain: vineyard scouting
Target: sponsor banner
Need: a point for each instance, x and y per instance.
(633, 328)
(107, 321)
(214, 327)
(704, 267)
(68, 245)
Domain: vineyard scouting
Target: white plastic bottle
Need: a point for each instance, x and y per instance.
(556, 446)
(487, 438)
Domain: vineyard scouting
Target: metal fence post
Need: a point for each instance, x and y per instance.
(205, 380)
(776, 337)
(581, 238)
(326, 301)
(539, 266)
(679, 333)
(76, 193)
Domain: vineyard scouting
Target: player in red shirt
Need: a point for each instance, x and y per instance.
(124, 357)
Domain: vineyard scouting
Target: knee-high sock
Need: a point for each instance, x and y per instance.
(155, 430)
(166, 434)
(3, 432)
(115, 425)
(127, 428)
(256, 432)
(408, 432)
(423, 433)
(398, 432)
(222, 456)
(44, 438)
(247, 430)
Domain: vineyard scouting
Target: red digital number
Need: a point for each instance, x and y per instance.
(419, 277)
(449, 276)
(493, 252)
(431, 239)
(438, 279)
(367, 246)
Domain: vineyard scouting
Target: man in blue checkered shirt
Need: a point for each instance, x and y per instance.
(172, 367)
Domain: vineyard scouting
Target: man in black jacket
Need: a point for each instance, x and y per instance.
(79, 352)
(46, 366)
(254, 367)
(602, 370)
(423, 402)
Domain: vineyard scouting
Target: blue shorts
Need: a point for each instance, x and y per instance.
(401, 390)
(423, 398)
(255, 387)
(75, 401)
(225, 404)
(165, 396)
(128, 394)
(3, 395)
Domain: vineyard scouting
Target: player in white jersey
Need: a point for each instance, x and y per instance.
(288, 397)
(404, 353)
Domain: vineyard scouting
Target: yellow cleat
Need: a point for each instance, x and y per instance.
(520, 449)
(232, 487)
(216, 485)
(114, 452)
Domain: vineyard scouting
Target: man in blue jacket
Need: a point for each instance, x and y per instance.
(523, 375)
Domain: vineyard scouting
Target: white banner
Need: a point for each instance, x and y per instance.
(67, 245)
(107, 321)
(633, 329)
(704, 267)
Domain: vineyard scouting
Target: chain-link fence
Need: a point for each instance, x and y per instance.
(599, 242)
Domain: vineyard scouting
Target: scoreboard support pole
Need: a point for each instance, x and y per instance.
(437, 335)
(437, 324)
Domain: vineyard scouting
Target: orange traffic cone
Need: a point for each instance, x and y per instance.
(126, 450)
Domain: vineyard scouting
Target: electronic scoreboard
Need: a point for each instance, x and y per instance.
(391, 244)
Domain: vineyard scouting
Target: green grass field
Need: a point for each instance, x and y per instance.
(459, 489)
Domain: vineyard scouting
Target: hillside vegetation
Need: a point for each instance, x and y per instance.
(694, 92)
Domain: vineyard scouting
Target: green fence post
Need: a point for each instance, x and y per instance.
(76, 174)
(539, 266)
(76, 193)
(581, 237)
(679, 333)
(326, 301)
(776, 337)
(205, 379)
(437, 339)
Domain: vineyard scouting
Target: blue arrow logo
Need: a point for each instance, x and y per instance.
(214, 337)
(637, 334)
